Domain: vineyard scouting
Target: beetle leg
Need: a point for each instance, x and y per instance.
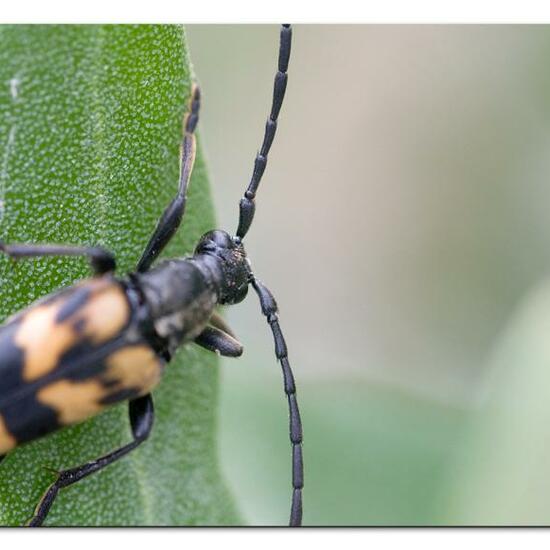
(173, 214)
(101, 260)
(214, 339)
(141, 420)
(216, 320)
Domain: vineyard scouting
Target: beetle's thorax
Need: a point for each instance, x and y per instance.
(180, 295)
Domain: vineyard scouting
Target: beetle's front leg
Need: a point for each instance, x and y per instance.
(218, 337)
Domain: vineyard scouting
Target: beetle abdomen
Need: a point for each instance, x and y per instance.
(68, 357)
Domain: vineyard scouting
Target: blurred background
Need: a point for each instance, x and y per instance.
(403, 224)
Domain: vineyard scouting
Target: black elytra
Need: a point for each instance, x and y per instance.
(78, 350)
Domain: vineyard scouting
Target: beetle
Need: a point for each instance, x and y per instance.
(105, 339)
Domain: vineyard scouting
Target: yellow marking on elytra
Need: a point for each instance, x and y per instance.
(73, 401)
(135, 367)
(44, 341)
(106, 314)
(7, 441)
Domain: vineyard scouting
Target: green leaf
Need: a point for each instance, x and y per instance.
(501, 476)
(90, 126)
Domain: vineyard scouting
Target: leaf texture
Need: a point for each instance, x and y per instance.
(90, 126)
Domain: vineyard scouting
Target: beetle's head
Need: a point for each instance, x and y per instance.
(234, 264)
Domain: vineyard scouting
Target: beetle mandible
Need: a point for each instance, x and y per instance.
(106, 339)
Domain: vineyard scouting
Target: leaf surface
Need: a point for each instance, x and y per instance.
(90, 126)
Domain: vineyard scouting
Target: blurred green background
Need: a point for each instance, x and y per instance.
(404, 225)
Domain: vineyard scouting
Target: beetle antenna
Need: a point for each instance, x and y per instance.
(269, 310)
(246, 205)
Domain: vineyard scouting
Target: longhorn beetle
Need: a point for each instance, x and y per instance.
(106, 339)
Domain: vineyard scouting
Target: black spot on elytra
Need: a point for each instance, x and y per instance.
(109, 383)
(73, 303)
(79, 326)
(11, 365)
(24, 416)
(27, 418)
(75, 363)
